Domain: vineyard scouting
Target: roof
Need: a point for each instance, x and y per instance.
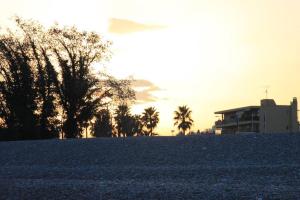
(237, 109)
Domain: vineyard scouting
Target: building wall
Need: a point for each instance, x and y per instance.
(294, 116)
(276, 119)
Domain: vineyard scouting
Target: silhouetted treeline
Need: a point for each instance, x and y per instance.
(124, 124)
(48, 85)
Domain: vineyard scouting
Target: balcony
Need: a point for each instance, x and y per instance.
(235, 122)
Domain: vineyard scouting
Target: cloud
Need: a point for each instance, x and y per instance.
(124, 26)
(144, 89)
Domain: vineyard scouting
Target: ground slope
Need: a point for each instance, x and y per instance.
(200, 167)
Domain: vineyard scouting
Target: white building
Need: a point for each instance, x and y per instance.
(266, 118)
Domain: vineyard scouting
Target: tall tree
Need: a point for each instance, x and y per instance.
(17, 87)
(27, 89)
(46, 77)
(183, 118)
(80, 88)
(150, 119)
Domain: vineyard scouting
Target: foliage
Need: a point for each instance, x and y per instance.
(183, 118)
(75, 51)
(122, 119)
(127, 125)
(137, 125)
(103, 126)
(27, 86)
(81, 90)
(47, 72)
(150, 120)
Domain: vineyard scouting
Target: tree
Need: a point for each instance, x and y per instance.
(82, 91)
(46, 77)
(17, 88)
(127, 125)
(27, 83)
(183, 118)
(137, 125)
(150, 119)
(46, 71)
(122, 119)
(103, 126)
(75, 52)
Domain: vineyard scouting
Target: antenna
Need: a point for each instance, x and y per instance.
(266, 87)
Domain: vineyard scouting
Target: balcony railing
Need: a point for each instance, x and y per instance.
(242, 120)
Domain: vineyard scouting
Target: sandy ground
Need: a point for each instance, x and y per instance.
(200, 167)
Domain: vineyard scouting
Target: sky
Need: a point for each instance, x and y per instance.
(208, 55)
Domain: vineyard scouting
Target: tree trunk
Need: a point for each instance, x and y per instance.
(86, 132)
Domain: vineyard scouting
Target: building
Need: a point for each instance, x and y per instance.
(266, 118)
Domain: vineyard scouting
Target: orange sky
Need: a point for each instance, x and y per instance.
(209, 55)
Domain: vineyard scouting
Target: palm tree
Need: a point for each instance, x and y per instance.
(150, 119)
(122, 115)
(137, 127)
(183, 118)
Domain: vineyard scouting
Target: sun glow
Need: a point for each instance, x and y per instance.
(186, 61)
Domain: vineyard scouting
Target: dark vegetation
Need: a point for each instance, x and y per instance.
(125, 124)
(50, 89)
(183, 119)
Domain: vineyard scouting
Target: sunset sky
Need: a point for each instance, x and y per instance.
(209, 55)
